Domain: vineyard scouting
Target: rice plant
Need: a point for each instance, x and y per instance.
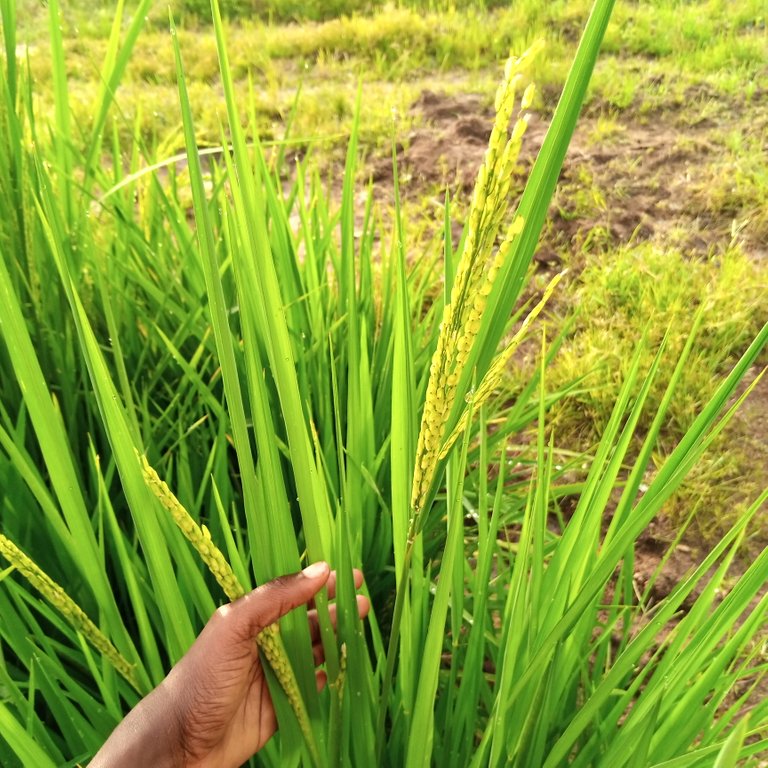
(298, 384)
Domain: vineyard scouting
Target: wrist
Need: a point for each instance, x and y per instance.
(150, 735)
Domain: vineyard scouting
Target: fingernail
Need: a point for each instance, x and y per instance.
(316, 569)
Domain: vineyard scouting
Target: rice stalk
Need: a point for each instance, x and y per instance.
(54, 593)
(473, 282)
(269, 640)
(476, 272)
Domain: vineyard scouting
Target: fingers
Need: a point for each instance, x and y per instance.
(271, 601)
(318, 652)
(358, 579)
(357, 575)
(363, 606)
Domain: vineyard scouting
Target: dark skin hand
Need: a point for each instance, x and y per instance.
(214, 708)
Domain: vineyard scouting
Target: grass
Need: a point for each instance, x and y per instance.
(398, 45)
(267, 342)
(614, 300)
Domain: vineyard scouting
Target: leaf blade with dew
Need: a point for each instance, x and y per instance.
(21, 742)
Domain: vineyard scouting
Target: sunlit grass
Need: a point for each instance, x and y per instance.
(614, 300)
(399, 46)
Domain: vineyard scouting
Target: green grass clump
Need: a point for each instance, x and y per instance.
(622, 295)
(717, 492)
(734, 183)
(652, 292)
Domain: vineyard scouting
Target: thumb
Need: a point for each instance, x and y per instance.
(269, 602)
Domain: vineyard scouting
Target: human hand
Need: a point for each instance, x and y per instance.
(214, 707)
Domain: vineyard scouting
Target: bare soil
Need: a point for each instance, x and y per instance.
(653, 173)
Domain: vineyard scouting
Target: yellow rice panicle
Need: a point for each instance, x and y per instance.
(68, 608)
(475, 274)
(471, 325)
(495, 373)
(490, 200)
(199, 537)
(270, 643)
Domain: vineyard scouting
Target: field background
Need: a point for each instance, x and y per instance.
(662, 206)
(662, 200)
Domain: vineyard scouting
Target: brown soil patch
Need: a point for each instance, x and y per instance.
(448, 148)
(648, 177)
